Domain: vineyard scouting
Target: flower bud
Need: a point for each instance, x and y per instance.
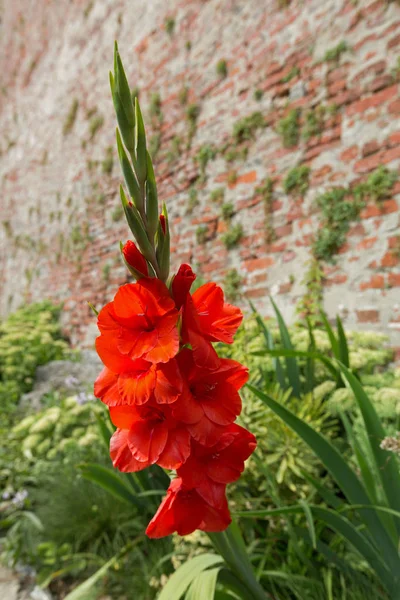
(181, 284)
(134, 258)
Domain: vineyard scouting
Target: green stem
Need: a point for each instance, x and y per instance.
(230, 545)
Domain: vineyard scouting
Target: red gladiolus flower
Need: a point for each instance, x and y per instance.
(153, 436)
(141, 322)
(181, 284)
(134, 258)
(183, 510)
(210, 398)
(210, 467)
(218, 320)
(163, 224)
(143, 381)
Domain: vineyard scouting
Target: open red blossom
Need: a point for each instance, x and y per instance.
(182, 283)
(143, 381)
(141, 322)
(210, 467)
(183, 510)
(153, 436)
(210, 398)
(218, 320)
(135, 258)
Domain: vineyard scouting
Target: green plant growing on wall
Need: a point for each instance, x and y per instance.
(334, 54)
(289, 128)
(217, 195)
(315, 118)
(297, 180)
(258, 94)
(155, 108)
(266, 191)
(96, 122)
(188, 45)
(169, 25)
(117, 213)
(338, 210)
(294, 72)
(235, 153)
(105, 272)
(88, 8)
(175, 150)
(183, 95)
(193, 200)
(310, 305)
(108, 161)
(232, 283)
(155, 144)
(201, 234)
(222, 68)
(227, 211)
(232, 177)
(232, 237)
(7, 228)
(378, 185)
(245, 128)
(71, 117)
(205, 154)
(192, 115)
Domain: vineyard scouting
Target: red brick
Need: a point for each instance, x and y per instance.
(335, 280)
(284, 230)
(394, 139)
(258, 263)
(257, 293)
(370, 148)
(374, 100)
(367, 243)
(376, 282)
(395, 41)
(389, 260)
(349, 153)
(259, 278)
(367, 316)
(368, 164)
(394, 279)
(394, 107)
(249, 177)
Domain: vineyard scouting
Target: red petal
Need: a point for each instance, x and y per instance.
(163, 523)
(187, 409)
(124, 416)
(136, 343)
(120, 454)
(147, 440)
(181, 284)
(167, 342)
(212, 493)
(177, 449)
(189, 510)
(206, 432)
(224, 406)
(136, 388)
(106, 346)
(134, 258)
(216, 520)
(106, 387)
(168, 382)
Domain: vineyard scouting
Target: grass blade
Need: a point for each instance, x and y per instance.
(179, 582)
(291, 363)
(342, 341)
(110, 481)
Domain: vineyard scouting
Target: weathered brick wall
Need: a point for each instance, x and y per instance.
(60, 227)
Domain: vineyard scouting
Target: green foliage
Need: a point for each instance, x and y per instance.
(338, 210)
(217, 195)
(192, 115)
(378, 185)
(314, 121)
(203, 157)
(396, 70)
(297, 180)
(169, 25)
(135, 94)
(183, 95)
(289, 128)
(71, 117)
(232, 237)
(7, 228)
(266, 190)
(117, 213)
(334, 54)
(29, 337)
(258, 94)
(175, 151)
(105, 272)
(232, 284)
(232, 177)
(193, 200)
(310, 304)
(155, 144)
(96, 122)
(227, 211)
(202, 234)
(222, 68)
(294, 72)
(155, 107)
(108, 161)
(245, 128)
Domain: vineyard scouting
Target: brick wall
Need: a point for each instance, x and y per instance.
(58, 192)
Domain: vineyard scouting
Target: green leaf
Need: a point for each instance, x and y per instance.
(110, 481)
(140, 145)
(179, 582)
(310, 522)
(136, 226)
(204, 585)
(343, 346)
(126, 131)
(129, 176)
(123, 90)
(386, 462)
(341, 472)
(104, 429)
(86, 589)
(291, 363)
(331, 335)
(163, 251)
(280, 374)
(151, 200)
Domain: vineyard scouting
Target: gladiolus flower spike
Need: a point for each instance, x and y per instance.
(173, 401)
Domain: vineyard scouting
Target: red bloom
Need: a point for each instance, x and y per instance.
(134, 258)
(210, 398)
(182, 283)
(183, 510)
(141, 322)
(163, 224)
(210, 467)
(163, 382)
(153, 436)
(218, 320)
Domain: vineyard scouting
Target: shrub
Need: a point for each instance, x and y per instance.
(378, 186)
(71, 117)
(297, 180)
(222, 68)
(232, 237)
(334, 54)
(245, 128)
(227, 211)
(232, 284)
